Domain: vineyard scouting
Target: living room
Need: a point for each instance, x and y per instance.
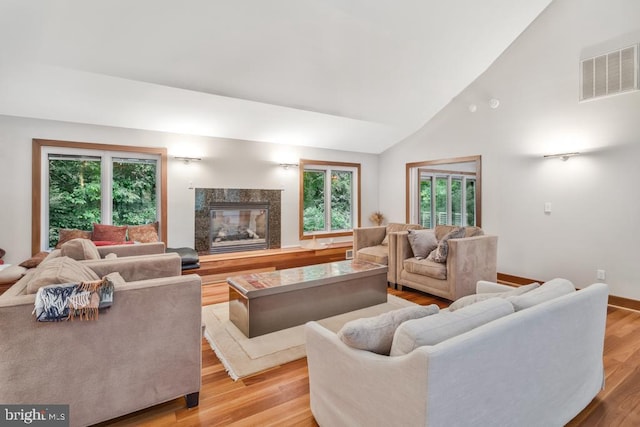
(536, 80)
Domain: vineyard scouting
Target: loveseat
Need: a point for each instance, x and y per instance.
(378, 244)
(467, 259)
(143, 350)
(537, 366)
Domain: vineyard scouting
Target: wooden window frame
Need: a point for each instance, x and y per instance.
(357, 221)
(36, 180)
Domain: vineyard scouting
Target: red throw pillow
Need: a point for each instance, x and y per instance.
(109, 233)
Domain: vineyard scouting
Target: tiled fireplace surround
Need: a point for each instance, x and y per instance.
(213, 198)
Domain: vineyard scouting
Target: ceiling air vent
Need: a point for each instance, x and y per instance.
(609, 74)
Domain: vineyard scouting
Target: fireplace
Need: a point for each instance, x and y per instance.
(238, 227)
(236, 219)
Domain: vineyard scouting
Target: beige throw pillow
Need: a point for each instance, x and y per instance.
(472, 299)
(80, 249)
(547, 291)
(432, 330)
(58, 271)
(376, 333)
(422, 242)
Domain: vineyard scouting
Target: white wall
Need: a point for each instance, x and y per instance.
(594, 223)
(226, 164)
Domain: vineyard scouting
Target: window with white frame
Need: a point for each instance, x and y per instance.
(444, 192)
(81, 186)
(330, 198)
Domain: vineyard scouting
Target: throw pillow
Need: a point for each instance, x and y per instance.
(472, 299)
(376, 333)
(66, 234)
(422, 242)
(440, 253)
(547, 291)
(35, 260)
(111, 233)
(147, 233)
(58, 271)
(432, 330)
(80, 249)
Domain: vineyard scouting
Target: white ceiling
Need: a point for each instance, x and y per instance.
(357, 75)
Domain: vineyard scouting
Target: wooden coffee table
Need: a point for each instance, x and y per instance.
(266, 302)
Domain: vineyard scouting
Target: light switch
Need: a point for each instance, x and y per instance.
(547, 207)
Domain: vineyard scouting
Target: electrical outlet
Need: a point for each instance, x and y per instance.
(600, 274)
(348, 254)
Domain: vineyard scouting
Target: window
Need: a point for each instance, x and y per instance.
(84, 183)
(444, 192)
(330, 198)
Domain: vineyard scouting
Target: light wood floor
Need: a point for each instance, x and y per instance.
(280, 396)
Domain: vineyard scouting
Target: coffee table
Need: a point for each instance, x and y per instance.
(266, 302)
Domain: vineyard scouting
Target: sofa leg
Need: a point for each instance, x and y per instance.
(192, 399)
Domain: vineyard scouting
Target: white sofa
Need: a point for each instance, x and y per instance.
(539, 366)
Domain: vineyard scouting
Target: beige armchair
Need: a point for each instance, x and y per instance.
(469, 260)
(374, 244)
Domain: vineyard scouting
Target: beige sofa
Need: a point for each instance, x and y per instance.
(142, 351)
(374, 244)
(539, 366)
(469, 260)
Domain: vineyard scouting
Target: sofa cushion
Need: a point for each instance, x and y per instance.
(395, 226)
(432, 330)
(440, 253)
(147, 233)
(80, 249)
(547, 291)
(66, 234)
(422, 242)
(474, 298)
(58, 271)
(425, 267)
(378, 254)
(109, 233)
(376, 333)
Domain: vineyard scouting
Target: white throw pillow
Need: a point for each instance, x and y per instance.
(432, 330)
(554, 288)
(474, 298)
(376, 333)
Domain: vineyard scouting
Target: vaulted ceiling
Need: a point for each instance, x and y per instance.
(357, 75)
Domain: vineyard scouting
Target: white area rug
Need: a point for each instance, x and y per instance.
(244, 356)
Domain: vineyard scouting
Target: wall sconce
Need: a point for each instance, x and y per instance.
(286, 166)
(188, 160)
(562, 156)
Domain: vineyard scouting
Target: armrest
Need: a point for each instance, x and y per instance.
(472, 259)
(364, 237)
(141, 267)
(132, 249)
(364, 376)
(403, 250)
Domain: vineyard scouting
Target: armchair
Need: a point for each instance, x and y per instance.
(469, 260)
(374, 244)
